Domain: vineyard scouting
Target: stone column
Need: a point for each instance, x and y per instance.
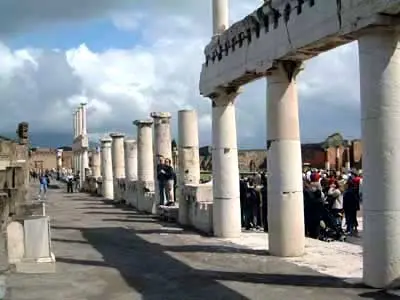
(118, 162)
(338, 166)
(347, 164)
(162, 134)
(285, 185)
(59, 159)
(220, 16)
(85, 163)
(79, 121)
(379, 54)
(145, 164)
(162, 142)
(74, 124)
(327, 162)
(96, 163)
(84, 120)
(189, 160)
(130, 159)
(225, 166)
(107, 169)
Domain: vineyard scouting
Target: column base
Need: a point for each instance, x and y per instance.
(226, 218)
(108, 189)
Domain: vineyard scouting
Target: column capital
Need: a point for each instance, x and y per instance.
(83, 104)
(224, 96)
(143, 123)
(106, 141)
(160, 115)
(290, 67)
(129, 141)
(116, 135)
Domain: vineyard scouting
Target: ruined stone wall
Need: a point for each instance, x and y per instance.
(14, 179)
(312, 154)
(46, 159)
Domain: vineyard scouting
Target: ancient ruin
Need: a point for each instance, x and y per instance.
(80, 143)
(272, 43)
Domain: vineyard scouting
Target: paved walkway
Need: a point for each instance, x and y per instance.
(105, 252)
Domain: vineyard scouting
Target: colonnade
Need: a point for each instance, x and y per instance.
(379, 57)
(136, 161)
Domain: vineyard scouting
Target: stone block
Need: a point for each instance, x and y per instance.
(15, 242)
(200, 204)
(37, 237)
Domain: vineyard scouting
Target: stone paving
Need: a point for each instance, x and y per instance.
(105, 252)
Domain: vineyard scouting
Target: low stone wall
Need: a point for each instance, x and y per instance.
(200, 204)
(92, 186)
(140, 195)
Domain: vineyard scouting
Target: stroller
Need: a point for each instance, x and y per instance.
(331, 226)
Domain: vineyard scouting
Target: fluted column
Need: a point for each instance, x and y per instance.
(225, 166)
(220, 16)
(107, 169)
(189, 160)
(162, 143)
(145, 162)
(96, 163)
(84, 119)
(379, 54)
(130, 159)
(118, 162)
(285, 186)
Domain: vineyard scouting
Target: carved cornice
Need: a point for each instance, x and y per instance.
(263, 20)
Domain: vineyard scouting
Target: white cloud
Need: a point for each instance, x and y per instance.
(42, 86)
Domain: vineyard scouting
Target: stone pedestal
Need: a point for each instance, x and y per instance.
(285, 186)
(107, 170)
(189, 160)
(379, 54)
(225, 167)
(162, 142)
(118, 162)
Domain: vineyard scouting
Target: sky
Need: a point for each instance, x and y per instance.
(127, 58)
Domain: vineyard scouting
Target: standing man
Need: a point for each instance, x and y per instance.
(161, 179)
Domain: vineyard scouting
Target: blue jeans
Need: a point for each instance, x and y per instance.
(43, 188)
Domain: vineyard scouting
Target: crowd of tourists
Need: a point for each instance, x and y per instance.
(331, 202)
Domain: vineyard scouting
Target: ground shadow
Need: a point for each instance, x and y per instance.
(379, 295)
(172, 279)
(138, 220)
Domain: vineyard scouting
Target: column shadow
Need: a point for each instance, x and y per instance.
(151, 271)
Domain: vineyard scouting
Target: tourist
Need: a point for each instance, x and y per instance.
(161, 179)
(351, 204)
(243, 193)
(70, 184)
(77, 180)
(169, 176)
(336, 201)
(264, 204)
(43, 186)
(313, 209)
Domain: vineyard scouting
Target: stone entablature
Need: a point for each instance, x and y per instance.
(293, 30)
